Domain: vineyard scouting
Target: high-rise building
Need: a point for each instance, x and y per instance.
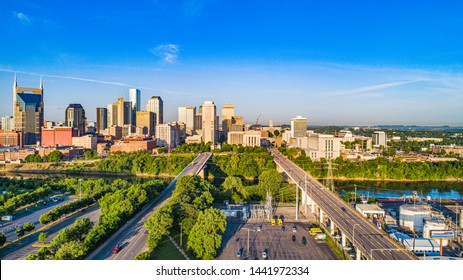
(298, 127)
(101, 119)
(112, 114)
(128, 113)
(156, 105)
(28, 111)
(186, 114)
(147, 119)
(134, 97)
(209, 122)
(75, 117)
(228, 112)
(379, 138)
(167, 135)
(8, 123)
(120, 112)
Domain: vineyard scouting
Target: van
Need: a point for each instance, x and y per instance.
(320, 236)
(7, 218)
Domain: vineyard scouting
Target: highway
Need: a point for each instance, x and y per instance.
(373, 242)
(21, 249)
(133, 235)
(30, 217)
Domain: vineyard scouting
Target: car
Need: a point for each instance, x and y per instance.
(304, 240)
(283, 228)
(293, 238)
(347, 248)
(459, 254)
(117, 249)
(294, 229)
(264, 254)
(259, 228)
(352, 255)
(238, 254)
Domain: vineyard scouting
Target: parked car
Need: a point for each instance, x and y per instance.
(283, 228)
(293, 238)
(265, 254)
(238, 254)
(294, 229)
(304, 240)
(259, 228)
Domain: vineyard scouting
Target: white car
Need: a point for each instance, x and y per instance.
(264, 254)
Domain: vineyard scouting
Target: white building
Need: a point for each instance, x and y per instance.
(134, 97)
(210, 124)
(186, 114)
(323, 146)
(298, 127)
(413, 216)
(156, 105)
(370, 210)
(379, 138)
(168, 135)
(245, 138)
(8, 123)
(87, 141)
(435, 223)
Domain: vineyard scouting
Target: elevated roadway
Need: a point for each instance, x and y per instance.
(133, 236)
(369, 241)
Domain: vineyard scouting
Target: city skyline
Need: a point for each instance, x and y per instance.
(342, 65)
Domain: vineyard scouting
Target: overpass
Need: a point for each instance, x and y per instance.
(369, 241)
(133, 235)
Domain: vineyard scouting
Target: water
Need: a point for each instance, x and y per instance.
(436, 190)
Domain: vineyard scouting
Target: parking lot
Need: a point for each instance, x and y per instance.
(277, 243)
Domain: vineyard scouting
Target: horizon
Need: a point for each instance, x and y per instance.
(333, 64)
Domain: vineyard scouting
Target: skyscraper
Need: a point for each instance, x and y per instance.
(147, 119)
(75, 117)
(298, 127)
(28, 112)
(128, 113)
(112, 114)
(186, 114)
(101, 119)
(156, 105)
(209, 122)
(8, 123)
(120, 112)
(228, 112)
(134, 97)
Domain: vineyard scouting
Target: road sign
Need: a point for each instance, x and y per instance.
(444, 234)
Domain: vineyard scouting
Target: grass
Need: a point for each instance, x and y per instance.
(166, 251)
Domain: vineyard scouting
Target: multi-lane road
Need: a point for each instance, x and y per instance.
(373, 243)
(20, 249)
(133, 235)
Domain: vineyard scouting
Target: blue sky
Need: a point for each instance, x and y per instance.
(335, 62)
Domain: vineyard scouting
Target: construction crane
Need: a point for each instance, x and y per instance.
(257, 120)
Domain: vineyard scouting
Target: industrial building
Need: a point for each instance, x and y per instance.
(412, 216)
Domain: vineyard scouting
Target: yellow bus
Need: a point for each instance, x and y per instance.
(315, 231)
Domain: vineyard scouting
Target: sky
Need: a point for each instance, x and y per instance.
(334, 62)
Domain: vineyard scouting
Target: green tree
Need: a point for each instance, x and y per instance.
(28, 226)
(143, 256)
(72, 250)
(54, 156)
(43, 237)
(2, 239)
(31, 257)
(270, 181)
(158, 225)
(206, 235)
(89, 154)
(43, 253)
(19, 231)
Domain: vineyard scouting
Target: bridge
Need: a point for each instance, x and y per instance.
(369, 242)
(133, 234)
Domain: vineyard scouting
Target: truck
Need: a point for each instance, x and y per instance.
(273, 222)
(315, 230)
(320, 236)
(280, 222)
(7, 218)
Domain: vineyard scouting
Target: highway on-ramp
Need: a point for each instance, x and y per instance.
(374, 243)
(133, 235)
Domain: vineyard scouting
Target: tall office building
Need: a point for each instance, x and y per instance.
(298, 127)
(120, 112)
(101, 119)
(75, 117)
(8, 123)
(28, 112)
(146, 119)
(128, 113)
(209, 122)
(156, 105)
(228, 112)
(379, 138)
(112, 114)
(186, 114)
(134, 97)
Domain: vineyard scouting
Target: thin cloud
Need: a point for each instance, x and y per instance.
(22, 17)
(167, 52)
(373, 88)
(75, 78)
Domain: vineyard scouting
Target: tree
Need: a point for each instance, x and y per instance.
(276, 132)
(28, 226)
(43, 253)
(43, 237)
(31, 257)
(54, 156)
(143, 256)
(158, 225)
(72, 250)
(2, 239)
(89, 154)
(270, 181)
(20, 231)
(206, 235)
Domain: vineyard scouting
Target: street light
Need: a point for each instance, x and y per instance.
(249, 252)
(80, 187)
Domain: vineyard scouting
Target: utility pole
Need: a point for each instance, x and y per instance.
(305, 193)
(80, 187)
(297, 202)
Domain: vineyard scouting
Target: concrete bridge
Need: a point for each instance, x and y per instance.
(331, 211)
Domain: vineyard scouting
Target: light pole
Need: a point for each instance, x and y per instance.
(249, 252)
(80, 187)
(180, 234)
